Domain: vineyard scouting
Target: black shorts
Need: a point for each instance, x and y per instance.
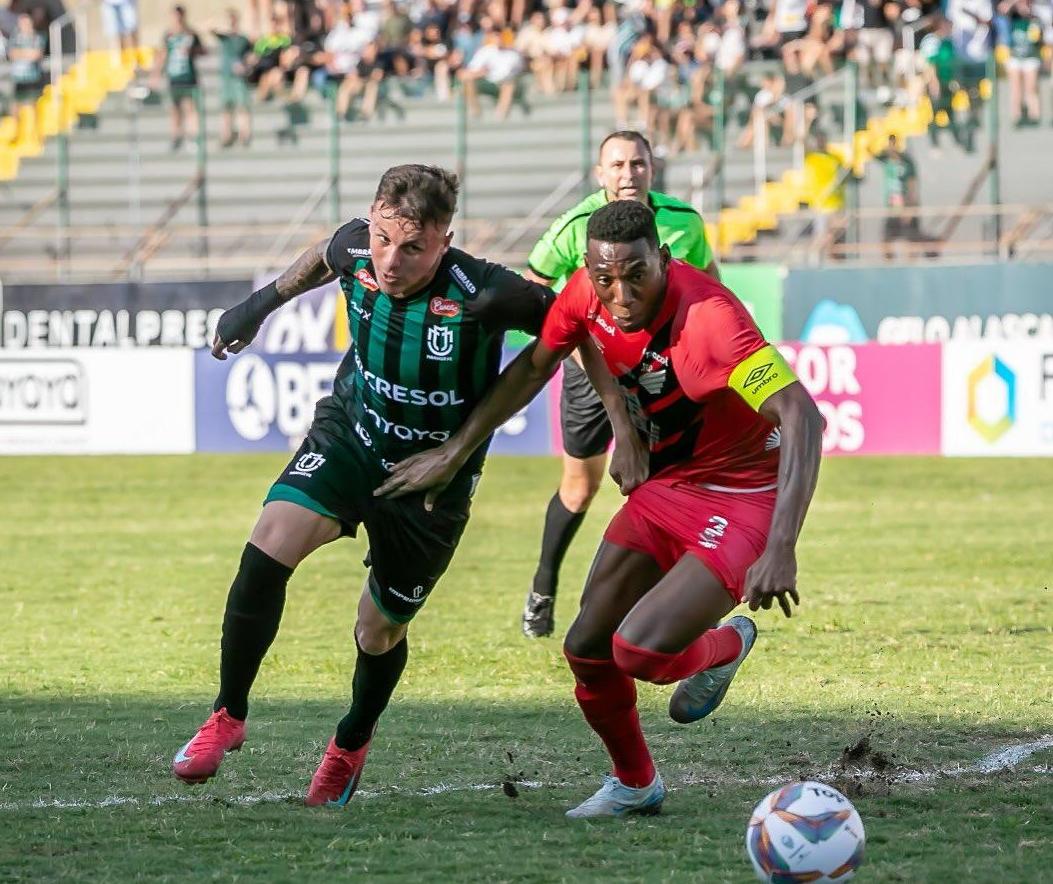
(582, 417)
(409, 547)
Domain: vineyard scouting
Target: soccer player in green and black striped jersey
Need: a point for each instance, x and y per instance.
(625, 171)
(427, 322)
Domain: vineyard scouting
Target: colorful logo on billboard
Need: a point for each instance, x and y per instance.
(992, 398)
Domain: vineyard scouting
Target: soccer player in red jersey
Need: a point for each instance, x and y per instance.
(717, 447)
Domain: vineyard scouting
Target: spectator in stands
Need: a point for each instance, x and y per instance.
(532, 45)
(234, 47)
(25, 51)
(264, 63)
(177, 60)
(596, 40)
(647, 71)
(868, 29)
(343, 48)
(769, 112)
(435, 53)
(494, 69)
(395, 25)
(121, 20)
(1025, 59)
(901, 197)
(563, 43)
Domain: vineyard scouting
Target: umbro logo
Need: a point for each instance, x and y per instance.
(757, 375)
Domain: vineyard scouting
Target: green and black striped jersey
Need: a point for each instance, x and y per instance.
(418, 365)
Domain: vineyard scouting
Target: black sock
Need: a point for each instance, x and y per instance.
(375, 678)
(250, 622)
(560, 527)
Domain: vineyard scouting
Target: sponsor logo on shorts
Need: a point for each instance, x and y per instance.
(444, 307)
(306, 464)
(367, 280)
(440, 343)
(416, 596)
(462, 279)
(404, 433)
(710, 538)
(366, 439)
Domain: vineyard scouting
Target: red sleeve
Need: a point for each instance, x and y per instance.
(567, 322)
(716, 335)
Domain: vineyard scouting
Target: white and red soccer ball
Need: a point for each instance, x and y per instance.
(805, 832)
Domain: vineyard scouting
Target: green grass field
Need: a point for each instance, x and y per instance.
(925, 627)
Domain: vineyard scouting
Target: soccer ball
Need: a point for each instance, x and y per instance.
(805, 832)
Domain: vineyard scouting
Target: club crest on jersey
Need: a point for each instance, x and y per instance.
(444, 307)
(367, 280)
(440, 343)
(307, 464)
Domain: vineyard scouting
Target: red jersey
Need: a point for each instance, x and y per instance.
(692, 380)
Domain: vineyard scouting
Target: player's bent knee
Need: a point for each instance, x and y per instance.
(289, 533)
(376, 639)
(581, 642)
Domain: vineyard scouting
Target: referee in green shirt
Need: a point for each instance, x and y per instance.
(625, 172)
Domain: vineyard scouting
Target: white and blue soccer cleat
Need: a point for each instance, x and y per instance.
(698, 696)
(616, 799)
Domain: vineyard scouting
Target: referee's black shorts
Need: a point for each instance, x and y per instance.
(583, 419)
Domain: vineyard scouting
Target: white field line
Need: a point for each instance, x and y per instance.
(1003, 759)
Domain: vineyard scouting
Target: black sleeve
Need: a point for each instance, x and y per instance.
(349, 244)
(507, 301)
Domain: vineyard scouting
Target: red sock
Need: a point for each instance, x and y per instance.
(607, 698)
(714, 647)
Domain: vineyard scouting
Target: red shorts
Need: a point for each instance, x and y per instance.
(726, 530)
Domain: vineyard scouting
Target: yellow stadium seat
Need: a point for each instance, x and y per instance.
(146, 57)
(712, 234)
(758, 212)
(780, 197)
(960, 101)
(942, 119)
(27, 143)
(1001, 53)
(735, 227)
(796, 182)
(8, 130)
(8, 164)
(985, 89)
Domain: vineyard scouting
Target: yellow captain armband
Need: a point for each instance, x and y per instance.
(760, 375)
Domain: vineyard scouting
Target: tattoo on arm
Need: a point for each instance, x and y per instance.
(307, 272)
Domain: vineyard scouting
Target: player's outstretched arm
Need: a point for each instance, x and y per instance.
(774, 575)
(631, 460)
(433, 470)
(241, 323)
